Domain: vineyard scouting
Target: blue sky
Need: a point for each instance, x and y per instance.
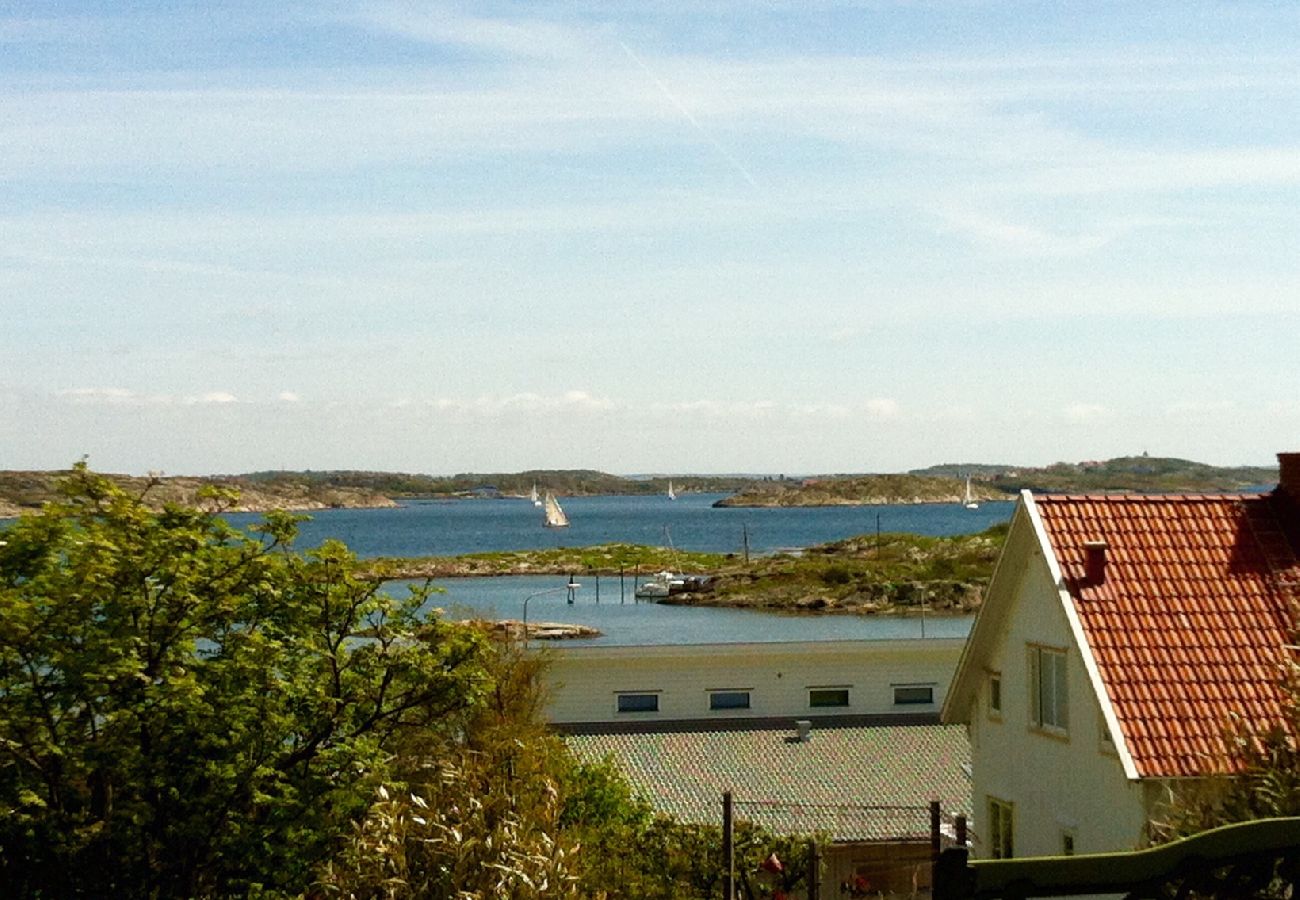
(674, 237)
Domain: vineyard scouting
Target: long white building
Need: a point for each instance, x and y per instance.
(902, 679)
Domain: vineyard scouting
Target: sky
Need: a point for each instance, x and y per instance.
(640, 237)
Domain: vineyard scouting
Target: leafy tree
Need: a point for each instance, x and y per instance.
(188, 710)
(1265, 761)
(507, 811)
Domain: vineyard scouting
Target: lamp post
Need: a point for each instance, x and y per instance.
(571, 587)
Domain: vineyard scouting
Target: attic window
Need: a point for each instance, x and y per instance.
(1049, 707)
(995, 695)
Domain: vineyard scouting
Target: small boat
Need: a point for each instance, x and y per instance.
(968, 501)
(532, 495)
(672, 495)
(555, 517)
(657, 587)
(665, 584)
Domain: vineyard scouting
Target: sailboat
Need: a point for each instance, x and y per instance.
(672, 495)
(555, 517)
(533, 496)
(968, 501)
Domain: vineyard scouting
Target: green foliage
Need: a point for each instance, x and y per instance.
(186, 710)
(1265, 762)
(868, 573)
(836, 575)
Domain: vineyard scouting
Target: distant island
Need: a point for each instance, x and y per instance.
(862, 490)
(311, 490)
(946, 483)
(21, 491)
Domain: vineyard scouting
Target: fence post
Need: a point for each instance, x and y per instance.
(728, 850)
(949, 879)
(935, 846)
(814, 871)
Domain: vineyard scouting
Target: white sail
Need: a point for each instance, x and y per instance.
(672, 495)
(533, 496)
(968, 501)
(555, 517)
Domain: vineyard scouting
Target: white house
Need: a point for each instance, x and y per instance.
(1118, 634)
(897, 679)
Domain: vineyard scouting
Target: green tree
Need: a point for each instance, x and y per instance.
(1265, 762)
(188, 710)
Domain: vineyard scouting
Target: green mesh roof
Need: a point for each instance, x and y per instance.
(857, 783)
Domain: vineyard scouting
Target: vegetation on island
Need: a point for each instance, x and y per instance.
(860, 490)
(1141, 474)
(565, 482)
(893, 572)
(307, 490)
(190, 710)
(26, 491)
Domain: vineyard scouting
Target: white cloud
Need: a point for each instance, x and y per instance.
(100, 395)
(1086, 412)
(881, 408)
(289, 397)
(215, 397)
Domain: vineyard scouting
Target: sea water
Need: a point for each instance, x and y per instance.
(622, 620)
(691, 522)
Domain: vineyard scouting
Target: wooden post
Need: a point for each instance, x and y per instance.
(814, 871)
(728, 850)
(934, 831)
(621, 596)
(596, 577)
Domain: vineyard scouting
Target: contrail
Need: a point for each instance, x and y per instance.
(663, 88)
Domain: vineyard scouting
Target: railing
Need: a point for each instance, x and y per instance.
(1259, 859)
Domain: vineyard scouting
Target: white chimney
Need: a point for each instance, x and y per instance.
(803, 727)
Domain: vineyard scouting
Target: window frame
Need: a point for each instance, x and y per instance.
(993, 694)
(1002, 828)
(730, 692)
(925, 686)
(1049, 692)
(1105, 740)
(826, 691)
(620, 696)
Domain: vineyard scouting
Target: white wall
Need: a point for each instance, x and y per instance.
(585, 682)
(1056, 783)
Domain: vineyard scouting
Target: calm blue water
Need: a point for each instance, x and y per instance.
(631, 623)
(453, 527)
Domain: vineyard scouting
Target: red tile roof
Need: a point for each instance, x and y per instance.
(1191, 620)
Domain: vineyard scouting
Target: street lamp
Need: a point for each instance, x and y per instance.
(571, 587)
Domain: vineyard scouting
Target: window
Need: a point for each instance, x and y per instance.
(638, 703)
(1103, 732)
(913, 693)
(995, 695)
(828, 697)
(1047, 689)
(728, 699)
(1067, 842)
(1001, 828)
